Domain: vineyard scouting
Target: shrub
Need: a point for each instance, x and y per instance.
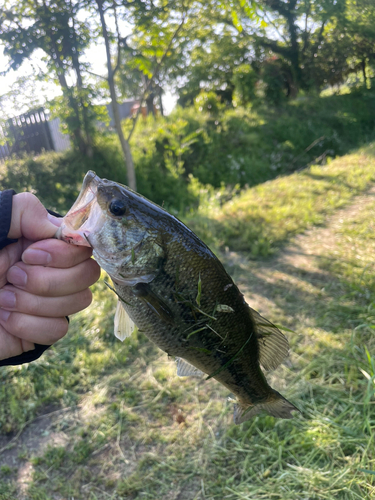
(235, 146)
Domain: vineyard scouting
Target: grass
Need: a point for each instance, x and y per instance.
(262, 218)
(110, 420)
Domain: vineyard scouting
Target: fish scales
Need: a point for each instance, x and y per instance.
(178, 293)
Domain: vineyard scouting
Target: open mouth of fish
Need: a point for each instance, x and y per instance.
(84, 215)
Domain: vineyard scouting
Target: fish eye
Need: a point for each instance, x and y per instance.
(117, 207)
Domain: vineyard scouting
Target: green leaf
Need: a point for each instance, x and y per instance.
(199, 294)
(367, 471)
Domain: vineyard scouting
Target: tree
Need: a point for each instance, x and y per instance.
(52, 26)
(146, 18)
(213, 63)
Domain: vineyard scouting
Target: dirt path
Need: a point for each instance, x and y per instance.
(295, 269)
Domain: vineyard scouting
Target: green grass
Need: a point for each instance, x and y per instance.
(260, 219)
(122, 425)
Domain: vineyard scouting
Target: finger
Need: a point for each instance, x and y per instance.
(14, 299)
(9, 256)
(55, 253)
(36, 329)
(30, 219)
(12, 346)
(51, 282)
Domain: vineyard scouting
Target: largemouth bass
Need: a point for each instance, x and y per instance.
(173, 288)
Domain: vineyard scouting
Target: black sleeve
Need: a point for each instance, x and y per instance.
(25, 357)
(5, 216)
(5, 219)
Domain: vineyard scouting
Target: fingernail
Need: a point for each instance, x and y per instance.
(17, 276)
(7, 299)
(4, 315)
(36, 257)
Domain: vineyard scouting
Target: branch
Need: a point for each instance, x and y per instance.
(155, 73)
(319, 39)
(274, 25)
(271, 44)
(118, 39)
(94, 74)
(280, 7)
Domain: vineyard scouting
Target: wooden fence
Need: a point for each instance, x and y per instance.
(32, 133)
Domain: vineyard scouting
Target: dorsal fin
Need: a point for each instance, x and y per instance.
(123, 326)
(273, 345)
(185, 369)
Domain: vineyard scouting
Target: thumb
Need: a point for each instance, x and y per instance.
(30, 219)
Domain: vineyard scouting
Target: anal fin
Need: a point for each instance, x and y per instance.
(185, 369)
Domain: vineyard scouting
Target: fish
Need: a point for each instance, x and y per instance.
(173, 288)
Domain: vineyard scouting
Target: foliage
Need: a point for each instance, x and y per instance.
(244, 81)
(56, 178)
(179, 156)
(296, 46)
(275, 79)
(53, 27)
(248, 146)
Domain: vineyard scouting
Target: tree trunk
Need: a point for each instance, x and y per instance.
(291, 53)
(131, 180)
(363, 64)
(150, 105)
(75, 124)
(76, 130)
(294, 50)
(161, 102)
(86, 120)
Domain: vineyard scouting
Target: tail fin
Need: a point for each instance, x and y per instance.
(278, 406)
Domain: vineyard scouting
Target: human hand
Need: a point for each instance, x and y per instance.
(42, 280)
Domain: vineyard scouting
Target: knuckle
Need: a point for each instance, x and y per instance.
(94, 269)
(39, 282)
(27, 198)
(35, 305)
(58, 327)
(86, 298)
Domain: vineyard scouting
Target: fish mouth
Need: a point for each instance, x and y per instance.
(84, 215)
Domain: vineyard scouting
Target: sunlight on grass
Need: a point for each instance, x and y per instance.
(261, 218)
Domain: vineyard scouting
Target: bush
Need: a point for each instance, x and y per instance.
(235, 146)
(56, 178)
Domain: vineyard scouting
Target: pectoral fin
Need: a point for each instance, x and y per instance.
(273, 345)
(185, 369)
(154, 302)
(123, 326)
